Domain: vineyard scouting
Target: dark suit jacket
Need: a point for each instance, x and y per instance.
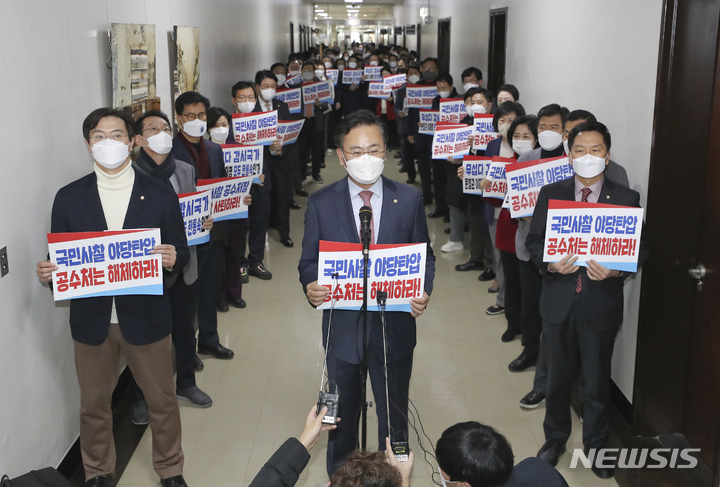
(214, 152)
(143, 319)
(602, 301)
(533, 472)
(284, 467)
(329, 217)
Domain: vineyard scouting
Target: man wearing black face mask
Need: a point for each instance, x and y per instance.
(422, 142)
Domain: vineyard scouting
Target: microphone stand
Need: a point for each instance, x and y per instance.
(365, 236)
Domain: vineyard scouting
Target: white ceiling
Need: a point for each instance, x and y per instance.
(338, 10)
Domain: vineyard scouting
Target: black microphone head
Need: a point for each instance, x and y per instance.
(365, 214)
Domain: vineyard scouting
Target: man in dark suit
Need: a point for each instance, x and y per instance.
(581, 307)
(473, 454)
(137, 327)
(399, 217)
(206, 156)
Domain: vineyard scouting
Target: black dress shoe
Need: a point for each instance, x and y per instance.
(286, 241)
(488, 275)
(437, 213)
(177, 481)
(197, 364)
(237, 302)
(397, 155)
(322, 165)
(509, 335)
(140, 415)
(101, 481)
(427, 201)
(222, 307)
(294, 205)
(318, 179)
(301, 192)
(532, 400)
(551, 451)
(217, 351)
(523, 362)
(446, 219)
(403, 169)
(244, 276)
(469, 266)
(447, 231)
(260, 272)
(410, 181)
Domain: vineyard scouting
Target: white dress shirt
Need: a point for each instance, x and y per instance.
(376, 201)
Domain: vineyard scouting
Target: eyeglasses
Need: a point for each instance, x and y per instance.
(355, 153)
(192, 116)
(118, 135)
(154, 130)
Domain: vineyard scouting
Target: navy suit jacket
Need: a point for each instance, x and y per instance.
(329, 217)
(602, 301)
(214, 153)
(143, 319)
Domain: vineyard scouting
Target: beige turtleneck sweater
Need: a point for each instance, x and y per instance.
(115, 192)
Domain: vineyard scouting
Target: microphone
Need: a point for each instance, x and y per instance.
(365, 232)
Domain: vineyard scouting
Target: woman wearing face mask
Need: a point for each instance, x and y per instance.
(219, 125)
(523, 133)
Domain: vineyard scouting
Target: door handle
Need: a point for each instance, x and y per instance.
(697, 272)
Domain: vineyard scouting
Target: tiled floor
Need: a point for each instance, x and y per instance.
(262, 396)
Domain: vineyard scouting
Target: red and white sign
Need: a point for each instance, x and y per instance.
(255, 128)
(289, 131)
(496, 175)
(319, 90)
(112, 263)
(475, 169)
(227, 197)
(376, 89)
(452, 110)
(525, 179)
(484, 131)
(394, 82)
(451, 139)
(420, 96)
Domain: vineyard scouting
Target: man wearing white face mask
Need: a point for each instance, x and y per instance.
(472, 78)
(207, 158)
(581, 307)
(116, 196)
(398, 217)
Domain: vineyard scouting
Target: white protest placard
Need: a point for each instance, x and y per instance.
(195, 209)
(243, 160)
(428, 119)
(526, 178)
(289, 130)
(292, 97)
(394, 81)
(294, 80)
(373, 73)
(496, 176)
(351, 76)
(227, 197)
(319, 90)
(397, 269)
(484, 131)
(475, 169)
(420, 96)
(452, 110)
(332, 75)
(255, 128)
(608, 234)
(112, 263)
(451, 139)
(377, 90)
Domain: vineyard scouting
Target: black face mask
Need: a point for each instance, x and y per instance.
(429, 75)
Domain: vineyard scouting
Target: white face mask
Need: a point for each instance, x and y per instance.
(219, 134)
(281, 79)
(346, 58)
(328, 65)
(365, 169)
(588, 166)
(195, 128)
(341, 67)
(549, 140)
(352, 65)
(470, 86)
(319, 73)
(373, 63)
(246, 106)
(476, 109)
(308, 75)
(110, 153)
(268, 94)
(522, 146)
(444, 94)
(393, 64)
(160, 143)
(413, 78)
(565, 146)
(503, 129)
(294, 73)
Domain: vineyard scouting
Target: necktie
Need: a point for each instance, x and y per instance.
(366, 195)
(585, 193)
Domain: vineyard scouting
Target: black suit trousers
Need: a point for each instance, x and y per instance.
(343, 440)
(530, 320)
(281, 174)
(408, 158)
(425, 165)
(258, 221)
(210, 259)
(513, 290)
(568, 346)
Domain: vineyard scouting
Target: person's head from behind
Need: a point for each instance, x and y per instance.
(366, 469)
(361, 139)
(109, 137)
(472, 454)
